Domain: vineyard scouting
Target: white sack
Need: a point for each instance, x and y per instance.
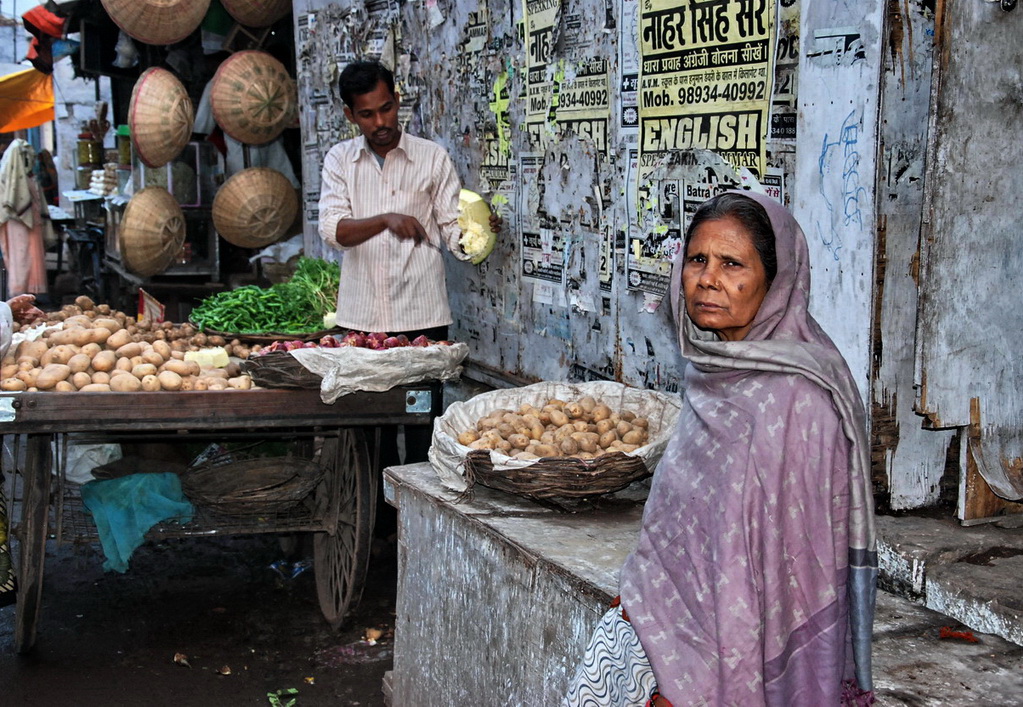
(352, 368)
(446, 454)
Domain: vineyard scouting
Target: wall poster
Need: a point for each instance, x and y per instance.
(705, 79)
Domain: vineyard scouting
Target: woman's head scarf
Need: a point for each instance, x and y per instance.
(785, 338)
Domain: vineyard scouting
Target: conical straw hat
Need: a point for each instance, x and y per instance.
(159, 22)
(252, 97)
(255, 207)
(257, 13)
(152, 231)
(160, 115)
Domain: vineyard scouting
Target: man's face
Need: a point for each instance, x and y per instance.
(376, 114)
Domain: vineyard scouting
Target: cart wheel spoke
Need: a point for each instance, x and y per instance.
(342, 558)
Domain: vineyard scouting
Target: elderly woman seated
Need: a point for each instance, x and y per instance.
(753, 581)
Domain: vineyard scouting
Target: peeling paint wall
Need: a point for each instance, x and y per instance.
(968, 362)
(912, 458)
(835, 167)
(573, 290)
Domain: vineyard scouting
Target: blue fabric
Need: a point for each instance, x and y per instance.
(126, 508)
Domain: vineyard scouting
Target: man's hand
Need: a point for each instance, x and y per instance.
(405, 227)
(24, 309)
(495, 222)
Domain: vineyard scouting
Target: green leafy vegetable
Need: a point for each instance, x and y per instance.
(293, 307)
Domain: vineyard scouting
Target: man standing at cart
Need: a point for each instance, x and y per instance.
(390, 201)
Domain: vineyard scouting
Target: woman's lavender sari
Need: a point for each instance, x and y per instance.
(754, 578)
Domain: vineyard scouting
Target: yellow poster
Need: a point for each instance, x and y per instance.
(541, 24)
(705, 79)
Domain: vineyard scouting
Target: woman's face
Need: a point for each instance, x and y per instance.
(723, 279)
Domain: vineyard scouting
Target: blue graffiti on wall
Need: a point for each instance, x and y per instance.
(845, 144)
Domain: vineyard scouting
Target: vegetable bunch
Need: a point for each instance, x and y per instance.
(293, 307)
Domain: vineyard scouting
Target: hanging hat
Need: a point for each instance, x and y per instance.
(160, 115)
(159, 22)
(253, 98)
(257, 13)
(152, 231)
(255, 207)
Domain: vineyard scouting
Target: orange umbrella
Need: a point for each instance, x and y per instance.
(26, 100)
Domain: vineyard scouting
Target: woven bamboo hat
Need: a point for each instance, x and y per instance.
(253, 98)
(255, 207)
(152, 231)
(257, 13)
(160, 115)
(159, 22)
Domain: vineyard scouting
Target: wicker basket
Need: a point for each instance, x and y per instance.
(253, 98)
(252, 487)
(158, 22)
(255, 207)
(160, 115)
(152, 231)
(257, 13)
(279, 369)
(551, 478)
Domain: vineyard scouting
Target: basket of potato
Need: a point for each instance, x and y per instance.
(552, 440)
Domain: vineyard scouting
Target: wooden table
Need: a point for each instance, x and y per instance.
(341, 514)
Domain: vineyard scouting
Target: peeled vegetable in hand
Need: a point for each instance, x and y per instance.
(477, 239)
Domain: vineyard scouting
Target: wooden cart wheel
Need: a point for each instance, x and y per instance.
(346, 498)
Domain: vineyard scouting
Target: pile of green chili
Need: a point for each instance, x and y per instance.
(293, 307)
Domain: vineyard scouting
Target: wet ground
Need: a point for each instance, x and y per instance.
(244, 631)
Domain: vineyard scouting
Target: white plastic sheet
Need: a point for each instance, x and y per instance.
(351, 368)
(446, 454)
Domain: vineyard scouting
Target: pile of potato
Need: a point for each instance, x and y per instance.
(584, 429)
(100, 350)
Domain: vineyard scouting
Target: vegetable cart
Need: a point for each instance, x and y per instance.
(340, 510)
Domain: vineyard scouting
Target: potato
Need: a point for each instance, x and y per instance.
(607, 439)
(240, 382)
(58, 354)
(519, 441)
(623, 428)
(100, 377)
(141, 370)
(91, 350)
(179, 367)
(14, 384)
(587, 403)
(98, 335)
(9, 370)
(79, 362)
(558, 418)
(629, 447)
(526, 456)
(213, 372)
(536, 431)
(151, 383)
(468, 437)
(641, 422)
(637, 437)
(481, 444)
(193, 383)
(504, 446)
(547, 437)
(216, 384)
(569, 446)
(111, 325)
(51, 375)
(123, 364)
(125, 384)
(162, 348)
(35, 349)
(581, 425)
(599, 413)
(152, 356)
(29, 376)
(554, 402)
(487, 423)
(84, 303)
(575, 411)
(117, 339)
(129, 350)
(104, 361)
(95, 388)
(80, 379)
(587, 444)
(27, 363)
(169, 380)
(64, 387)
(76, 335)
(545, 450)
(627, 415)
